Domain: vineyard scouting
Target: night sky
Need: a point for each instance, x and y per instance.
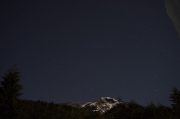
(81, 50)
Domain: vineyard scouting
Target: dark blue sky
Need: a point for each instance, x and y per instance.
(77, 50)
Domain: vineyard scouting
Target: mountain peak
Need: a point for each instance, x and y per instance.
(101, 105)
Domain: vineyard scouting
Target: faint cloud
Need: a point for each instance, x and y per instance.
(173, 10)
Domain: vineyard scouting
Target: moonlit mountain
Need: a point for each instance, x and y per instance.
(101, 105)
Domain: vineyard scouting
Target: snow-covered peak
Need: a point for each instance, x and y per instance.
(109, 100)
(101, 105)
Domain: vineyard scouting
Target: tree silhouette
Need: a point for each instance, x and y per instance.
(9, 93)
(175, 98)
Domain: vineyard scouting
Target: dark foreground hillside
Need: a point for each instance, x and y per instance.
(42, 110)
(28, 109)
(132, 110)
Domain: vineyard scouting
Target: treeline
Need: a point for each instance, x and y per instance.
(12, 107)
(132, 110)
(42, 110)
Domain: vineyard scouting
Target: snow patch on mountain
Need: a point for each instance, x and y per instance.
(101, 105)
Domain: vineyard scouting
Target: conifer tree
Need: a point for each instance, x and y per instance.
(9, 93)
(175, 98)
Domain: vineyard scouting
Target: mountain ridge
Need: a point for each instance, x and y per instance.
(100, 105)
